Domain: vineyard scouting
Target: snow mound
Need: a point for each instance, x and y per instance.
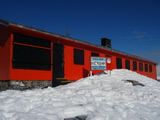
(99, 97)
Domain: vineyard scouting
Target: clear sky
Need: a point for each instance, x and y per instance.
(133, 25)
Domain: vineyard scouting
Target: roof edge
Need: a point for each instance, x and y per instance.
(4, 22)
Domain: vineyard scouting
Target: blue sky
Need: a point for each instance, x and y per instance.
(133, 25)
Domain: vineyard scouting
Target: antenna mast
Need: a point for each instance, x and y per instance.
(68, 31)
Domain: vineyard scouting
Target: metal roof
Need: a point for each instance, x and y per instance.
(7, 23)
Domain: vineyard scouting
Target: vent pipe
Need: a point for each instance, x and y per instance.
(106, 42)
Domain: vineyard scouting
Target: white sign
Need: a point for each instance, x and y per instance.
(98, 63)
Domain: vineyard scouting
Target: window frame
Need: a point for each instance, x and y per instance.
(119, 63)
(135, 65)
(78, 56)
(150, 68)
(94, 54)
(29, 56)
(32, 41)
(146, 67)
(127, 64)
(140, 66)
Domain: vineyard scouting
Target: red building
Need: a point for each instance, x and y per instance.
(30, 57)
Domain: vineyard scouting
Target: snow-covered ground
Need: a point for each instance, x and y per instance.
(100, 97)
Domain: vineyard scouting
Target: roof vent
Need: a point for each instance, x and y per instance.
(106, 42)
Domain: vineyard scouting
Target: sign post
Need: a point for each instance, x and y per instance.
(98, 63)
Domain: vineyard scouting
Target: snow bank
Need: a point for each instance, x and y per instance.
(100, 97)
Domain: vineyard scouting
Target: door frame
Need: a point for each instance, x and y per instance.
(58, 64)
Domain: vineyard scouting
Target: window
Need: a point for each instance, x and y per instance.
(78, 57)
(25, 57)
(108, 56)
(141, 66)
(127, 64)
(31, 57)
(18, 38)
(119, 63)
(150, 68)
(134, 65)
(94, 54)
(146, 67)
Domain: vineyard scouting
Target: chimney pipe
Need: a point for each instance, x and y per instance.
(106, 42)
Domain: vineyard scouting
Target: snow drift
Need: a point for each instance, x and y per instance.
(99, 97)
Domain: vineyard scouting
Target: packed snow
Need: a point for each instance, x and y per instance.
(99, 97)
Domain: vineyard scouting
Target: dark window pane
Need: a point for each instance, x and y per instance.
(94, 54)
(150, 68)
(78, 57)
(119, 63)
(127, 64)
(108, 56)
(25, 57)
(146, 67)
(31, 40)
(134, 65)
(141, 66)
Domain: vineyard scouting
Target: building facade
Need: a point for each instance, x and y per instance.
(32, 58)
